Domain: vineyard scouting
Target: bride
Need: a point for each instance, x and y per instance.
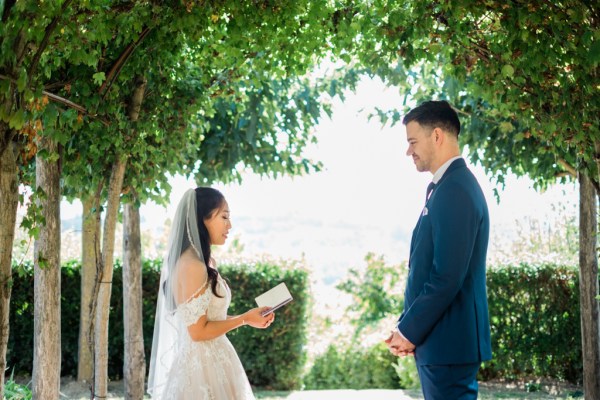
(191, 356)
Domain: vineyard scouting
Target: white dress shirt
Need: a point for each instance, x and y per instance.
(441, 170)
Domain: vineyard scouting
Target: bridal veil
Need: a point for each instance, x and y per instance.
(167, 331)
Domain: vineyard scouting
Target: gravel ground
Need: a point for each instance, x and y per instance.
(73, 390)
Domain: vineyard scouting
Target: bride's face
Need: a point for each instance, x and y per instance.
(218, 225)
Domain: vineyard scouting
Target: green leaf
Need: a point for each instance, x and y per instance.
(28, 95)
(17, 119)
(42, 262)
(22, 81)
(595, 52)
(53, 157)
(508, 71)
(99, 78)
(506, 127)
(4, 87)
(43, 153)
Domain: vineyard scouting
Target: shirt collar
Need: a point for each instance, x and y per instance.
(441, 170)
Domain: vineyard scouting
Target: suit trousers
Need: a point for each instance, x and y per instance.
(449, 382)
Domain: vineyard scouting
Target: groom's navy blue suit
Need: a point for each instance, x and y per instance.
(445, 302)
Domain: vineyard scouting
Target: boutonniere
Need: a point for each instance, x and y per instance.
(425, 211)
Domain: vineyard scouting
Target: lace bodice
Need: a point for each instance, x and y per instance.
(207, 303)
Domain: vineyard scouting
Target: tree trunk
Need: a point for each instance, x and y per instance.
(46, 339)
(104, 274)
(9, 198)
(588, 278)
(597, 147)
(89, 250)
(134, 368)
(9, 195)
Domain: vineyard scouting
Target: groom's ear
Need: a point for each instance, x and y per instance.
(438, 135)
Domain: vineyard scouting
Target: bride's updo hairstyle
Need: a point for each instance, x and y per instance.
(208, 202)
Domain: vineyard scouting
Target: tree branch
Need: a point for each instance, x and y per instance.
(116, 69)
(57, 99)
(137, 97)
(571, 171)
(19, 48)
(49, 30)
(568, 167)
(56, 85)
(483, 52)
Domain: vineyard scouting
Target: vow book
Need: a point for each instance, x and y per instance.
(274, 298)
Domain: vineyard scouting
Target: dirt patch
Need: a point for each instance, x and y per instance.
(70, 389)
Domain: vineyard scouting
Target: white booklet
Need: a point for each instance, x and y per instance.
(274, 298)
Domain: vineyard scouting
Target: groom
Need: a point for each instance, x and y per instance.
(445, 322)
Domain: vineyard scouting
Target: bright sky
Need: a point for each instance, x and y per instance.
(367, 199)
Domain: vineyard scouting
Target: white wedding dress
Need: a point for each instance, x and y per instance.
(210, 369)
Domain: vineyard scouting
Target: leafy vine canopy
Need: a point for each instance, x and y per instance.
(524, 74)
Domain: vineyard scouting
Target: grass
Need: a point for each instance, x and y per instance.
(16, 391)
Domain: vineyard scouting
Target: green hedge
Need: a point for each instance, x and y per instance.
(273, 357)
(534, 319)
(354, 368)
(535, 323)
(20, 342)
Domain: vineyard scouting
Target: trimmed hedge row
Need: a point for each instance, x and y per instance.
(534, 313)
(535, 323)
(20, 342)
(272, 358)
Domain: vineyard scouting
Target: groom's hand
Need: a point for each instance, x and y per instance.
(399, 345)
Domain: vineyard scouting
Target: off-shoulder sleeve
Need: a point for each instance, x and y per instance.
(195, 307)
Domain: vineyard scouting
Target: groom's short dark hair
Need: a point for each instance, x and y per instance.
(434, 114)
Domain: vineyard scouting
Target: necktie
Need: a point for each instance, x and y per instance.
(429, 190)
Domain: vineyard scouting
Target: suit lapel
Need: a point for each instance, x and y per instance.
(457, 164)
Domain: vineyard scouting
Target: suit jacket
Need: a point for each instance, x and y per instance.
(445, 301)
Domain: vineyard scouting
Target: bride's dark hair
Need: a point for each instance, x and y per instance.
(208, 201)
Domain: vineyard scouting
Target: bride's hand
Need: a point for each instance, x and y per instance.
(256, 320)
